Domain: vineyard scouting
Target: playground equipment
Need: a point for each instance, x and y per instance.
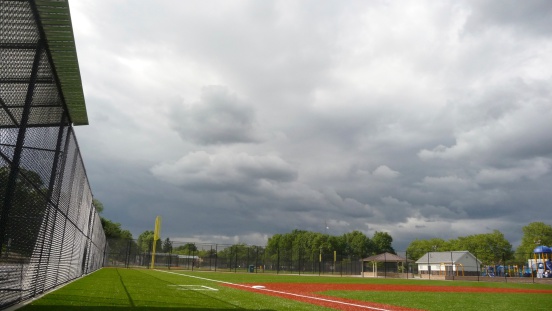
(541, 260)
(503, 271)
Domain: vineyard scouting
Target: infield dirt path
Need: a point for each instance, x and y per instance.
(307, 292)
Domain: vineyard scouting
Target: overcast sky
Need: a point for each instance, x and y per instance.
(236, 120)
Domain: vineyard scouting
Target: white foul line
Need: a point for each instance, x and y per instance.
(280, 292)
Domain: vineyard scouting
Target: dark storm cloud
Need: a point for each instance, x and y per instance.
(532, 16)
(237, 120)
(218, 118)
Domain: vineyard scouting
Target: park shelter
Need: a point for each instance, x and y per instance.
(459, 263)
(391, 264)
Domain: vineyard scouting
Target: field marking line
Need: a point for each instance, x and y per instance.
(193, 287)
(280, 292)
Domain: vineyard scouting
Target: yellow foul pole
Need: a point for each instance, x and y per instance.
(156, 236)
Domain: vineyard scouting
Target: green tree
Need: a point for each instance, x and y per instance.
(167, 246)
(186, 249)
(356, 244)
(490, 248)
(27, 210)
(534, 234)
(145, 242)
(417, 248)
(99, 206)
(113, 230)
(382, 243)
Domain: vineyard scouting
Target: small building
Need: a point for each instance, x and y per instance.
(390, 265)
(454, 263)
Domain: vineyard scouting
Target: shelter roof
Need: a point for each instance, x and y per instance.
(55, 20)
(385, 257)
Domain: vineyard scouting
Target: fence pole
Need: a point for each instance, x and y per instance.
(504, 267)
(278, 261)
(236, 261)
(256, 258)
(478, 266)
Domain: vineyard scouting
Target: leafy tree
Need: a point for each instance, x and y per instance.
(113, 230)
(490, 248)
(99, 206)
(145, 241)
(356, 244)
(167, 246)
(27, 210)
(418, 248)
(382, 243)
(185, 249)
(534, 234)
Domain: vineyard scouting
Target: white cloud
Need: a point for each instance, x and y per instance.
(384, 171)
(201, 169)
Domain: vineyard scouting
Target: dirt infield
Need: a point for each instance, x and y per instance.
(307, 292)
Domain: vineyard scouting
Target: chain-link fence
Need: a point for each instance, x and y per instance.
(229, 258)
(50, 232)
(449, 265)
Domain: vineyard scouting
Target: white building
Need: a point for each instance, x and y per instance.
(459, 263)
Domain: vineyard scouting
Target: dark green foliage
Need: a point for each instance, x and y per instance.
(534, 234)
(490, 248)
(145, 242)
(113, 230)
(26, 211)
(305, 245)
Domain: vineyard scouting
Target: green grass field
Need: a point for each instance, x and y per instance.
(120, 289)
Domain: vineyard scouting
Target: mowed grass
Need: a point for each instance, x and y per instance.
(122, 289)
(453, 301)
(117, 289)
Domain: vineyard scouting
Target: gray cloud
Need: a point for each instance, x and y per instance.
(224, 171)
(218, 118)
(238, 120)
(532, 16)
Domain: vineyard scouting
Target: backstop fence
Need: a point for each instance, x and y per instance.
(449, 265)
(50, 232)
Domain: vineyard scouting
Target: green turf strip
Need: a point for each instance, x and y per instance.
(118, 289)
(121, 289)
(452, 301)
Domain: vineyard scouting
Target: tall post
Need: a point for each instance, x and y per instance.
(156, 236)
(216, 256)
(278, 261)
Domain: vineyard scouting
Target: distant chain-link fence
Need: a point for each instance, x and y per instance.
(50, 232)
(230, 258)
(260, 259)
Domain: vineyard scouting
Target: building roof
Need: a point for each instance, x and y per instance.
(444, 257)
(55, 19)
(385, 257)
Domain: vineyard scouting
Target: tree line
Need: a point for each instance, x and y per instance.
(488, 247)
